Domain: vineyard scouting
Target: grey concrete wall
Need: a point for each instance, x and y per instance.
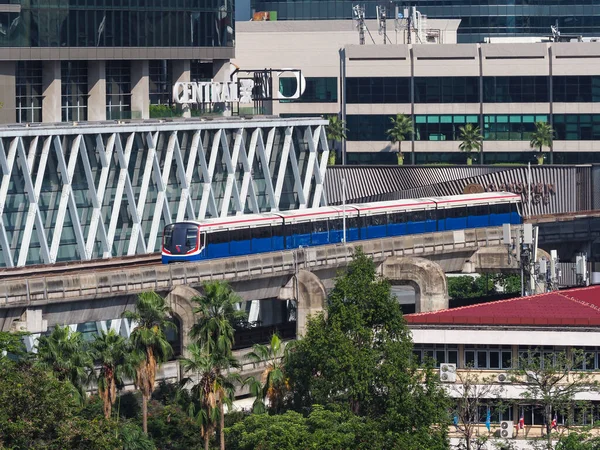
(140, 89)
(8, 91)
(97, 90)
(51, 89)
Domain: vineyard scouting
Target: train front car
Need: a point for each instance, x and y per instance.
(182, 242)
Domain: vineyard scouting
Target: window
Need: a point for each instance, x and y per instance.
(318, 90)
(576, 89)
(74, 90)
(510, 127)
(261, 232)
(29, 91)
(487, 357)
(439, 353)
(517, 89)
(584, 127)
(447, 90)
(118, 90)
(160, 82)
(441, 128)
(378, 90)
(319, 226)
(218, 237)
(368, 127)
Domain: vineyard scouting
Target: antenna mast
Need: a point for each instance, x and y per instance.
(358, 12)
(381, 20)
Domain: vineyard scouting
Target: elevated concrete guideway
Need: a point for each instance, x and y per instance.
(303, 275)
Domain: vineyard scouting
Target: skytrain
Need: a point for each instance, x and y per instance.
(275, 231)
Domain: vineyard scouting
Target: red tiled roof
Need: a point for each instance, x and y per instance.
(573, 307)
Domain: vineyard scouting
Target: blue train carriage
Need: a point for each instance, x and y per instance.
(259, 233)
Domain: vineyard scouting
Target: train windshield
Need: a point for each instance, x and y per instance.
(180, 238)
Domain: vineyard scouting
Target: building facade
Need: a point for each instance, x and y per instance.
(75, 61)
(479, 18)
(504, 89)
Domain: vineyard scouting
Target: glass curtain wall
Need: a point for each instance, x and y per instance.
(74, 90)
(29, 91)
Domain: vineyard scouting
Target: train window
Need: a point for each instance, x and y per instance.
(454, 213)
(261, 232)
(300, 228)
(168, 236)
(336, 224)
(191, 238)
(478, 210)
(218, 237)
(277, 230)
(379, 219)
(351, 222)
(395, 218)
(502, 208)
(319, 226)
(431, 215)
(240, 234)
(416, 216)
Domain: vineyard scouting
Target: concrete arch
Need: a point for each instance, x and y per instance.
(310, 295)
(179, 300)
(427, 278)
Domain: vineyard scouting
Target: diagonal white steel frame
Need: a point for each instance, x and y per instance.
(119, 175)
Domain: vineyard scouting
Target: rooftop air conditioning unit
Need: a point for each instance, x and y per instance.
(448, 373)
(503, 378)
(507, 429)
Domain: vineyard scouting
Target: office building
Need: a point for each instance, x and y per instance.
(78, 61)
(504, 89)
(479, 18)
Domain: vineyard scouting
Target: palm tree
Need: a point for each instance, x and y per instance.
(540, 138)
(150, 347)
(273, 384)
(217, 314)
(336, 131)
(401, 129)
(212, 388)
(110, 351)
(214, 333)
(64, 353)
(471, 140)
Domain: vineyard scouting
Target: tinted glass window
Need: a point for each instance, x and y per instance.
(447, 90)
(378, 89)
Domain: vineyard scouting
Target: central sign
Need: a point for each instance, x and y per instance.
(243, 90)
(213, 92)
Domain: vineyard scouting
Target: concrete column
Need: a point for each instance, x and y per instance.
(180, 73)
(179, 300)
(51, 91)
(140, 89)
(221, 72)
(310, 295)
(8, 70)
(96, 90)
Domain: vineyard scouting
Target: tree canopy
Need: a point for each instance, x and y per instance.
(359, 357)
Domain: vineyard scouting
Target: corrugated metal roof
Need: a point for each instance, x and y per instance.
(574, 307)
(556, 189)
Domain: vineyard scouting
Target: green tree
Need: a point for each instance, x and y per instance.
(575, 440)
(471, 140)
(540, 138)
(11, 346)
(214, 332)
(401, 129)
(551, 382)
(109, 350)
(273, 384)
(149, 345)
(211, 387)
(359, 358)
(66, 355)
(336, 132)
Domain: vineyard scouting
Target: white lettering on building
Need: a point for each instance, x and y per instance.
(212, 92)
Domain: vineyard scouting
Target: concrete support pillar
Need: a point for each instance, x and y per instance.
(180, 73)
(140, 89)
(179, 300)
(427, 278)
(96, 90)
(310, 296)
(51, 89)
(221, 72)
(8, 70)
(31, 321)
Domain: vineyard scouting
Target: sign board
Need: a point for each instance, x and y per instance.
(243, 90)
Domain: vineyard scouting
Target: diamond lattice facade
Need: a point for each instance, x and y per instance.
(84, 192)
